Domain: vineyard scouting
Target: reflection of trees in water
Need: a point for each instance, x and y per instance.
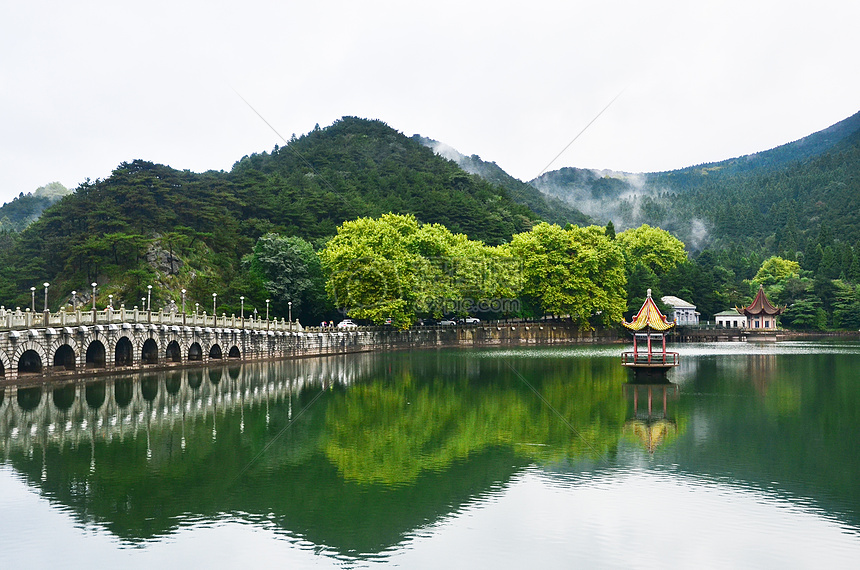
(430, 442)
(390, 430)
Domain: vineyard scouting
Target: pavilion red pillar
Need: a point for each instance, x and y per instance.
(649, 346)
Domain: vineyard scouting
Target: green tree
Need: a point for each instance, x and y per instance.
(774, 270)
(805, 314)
(289, 270)
(395, 267)
(577, 272)
(655, 248)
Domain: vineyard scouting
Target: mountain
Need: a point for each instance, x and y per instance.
(26, 208)
(755, 200)
(549, 208)
(150, 223)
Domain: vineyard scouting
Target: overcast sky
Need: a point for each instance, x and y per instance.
(87, 85)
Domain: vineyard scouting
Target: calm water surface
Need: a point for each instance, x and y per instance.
(461, 458)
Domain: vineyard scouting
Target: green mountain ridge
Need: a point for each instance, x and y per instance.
(797, 187)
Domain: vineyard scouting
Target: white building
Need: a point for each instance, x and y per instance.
(683, 313)
(731, 319)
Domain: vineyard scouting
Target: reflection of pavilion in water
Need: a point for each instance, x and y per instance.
(651, 422)
(124, 406)
(761, 369)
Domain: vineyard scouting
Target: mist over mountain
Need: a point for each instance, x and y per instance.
(548, 207)
(809, 182)
(25, 209)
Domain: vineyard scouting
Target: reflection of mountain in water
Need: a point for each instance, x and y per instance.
(377, 445)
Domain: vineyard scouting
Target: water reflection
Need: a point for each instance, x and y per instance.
(352, 455)
(357, 455)
(651, 421)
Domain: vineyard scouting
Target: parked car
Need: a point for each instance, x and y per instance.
(472, 320)
(347, 324)
(389, 321)
(447, 322)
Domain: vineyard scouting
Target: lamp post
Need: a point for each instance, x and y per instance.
(242, 309)
(196, 308)
(290, 316)
(94, 294)
(110, 301)
(183, 301)
(267, 309)
(214, 296)
(142, 303)
(33, 299)
(148, 297)
(46, 284)
(74, 300)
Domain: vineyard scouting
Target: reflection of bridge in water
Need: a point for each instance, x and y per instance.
(122, 406)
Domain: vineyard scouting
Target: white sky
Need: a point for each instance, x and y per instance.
(86, 85)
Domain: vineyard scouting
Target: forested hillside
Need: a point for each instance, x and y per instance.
(151, 223)
(773, 202)
(26, 208)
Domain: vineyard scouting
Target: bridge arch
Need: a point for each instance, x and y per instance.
(123, 352)
(173, 353)
(215, 352)
(65, 357)
(29, 357)
(234, 352)
(96, 354)
(149, 352)
(195, 353)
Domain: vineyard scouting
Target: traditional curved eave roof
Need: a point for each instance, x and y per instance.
(760, 305)
(649, 316)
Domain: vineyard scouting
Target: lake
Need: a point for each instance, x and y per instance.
(503, 458)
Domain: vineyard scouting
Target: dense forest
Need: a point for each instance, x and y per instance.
(786, 219)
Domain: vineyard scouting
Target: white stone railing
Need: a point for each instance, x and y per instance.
(18, 319)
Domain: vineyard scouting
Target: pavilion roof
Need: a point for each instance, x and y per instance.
(760, 305)
(649, 316)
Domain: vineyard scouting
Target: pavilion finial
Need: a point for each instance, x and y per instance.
(649, 293)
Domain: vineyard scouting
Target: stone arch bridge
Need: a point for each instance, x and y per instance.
(35, 345)
(91, 342)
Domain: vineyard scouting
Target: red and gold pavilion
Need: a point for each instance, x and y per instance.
(649, 327)
(760, 313)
